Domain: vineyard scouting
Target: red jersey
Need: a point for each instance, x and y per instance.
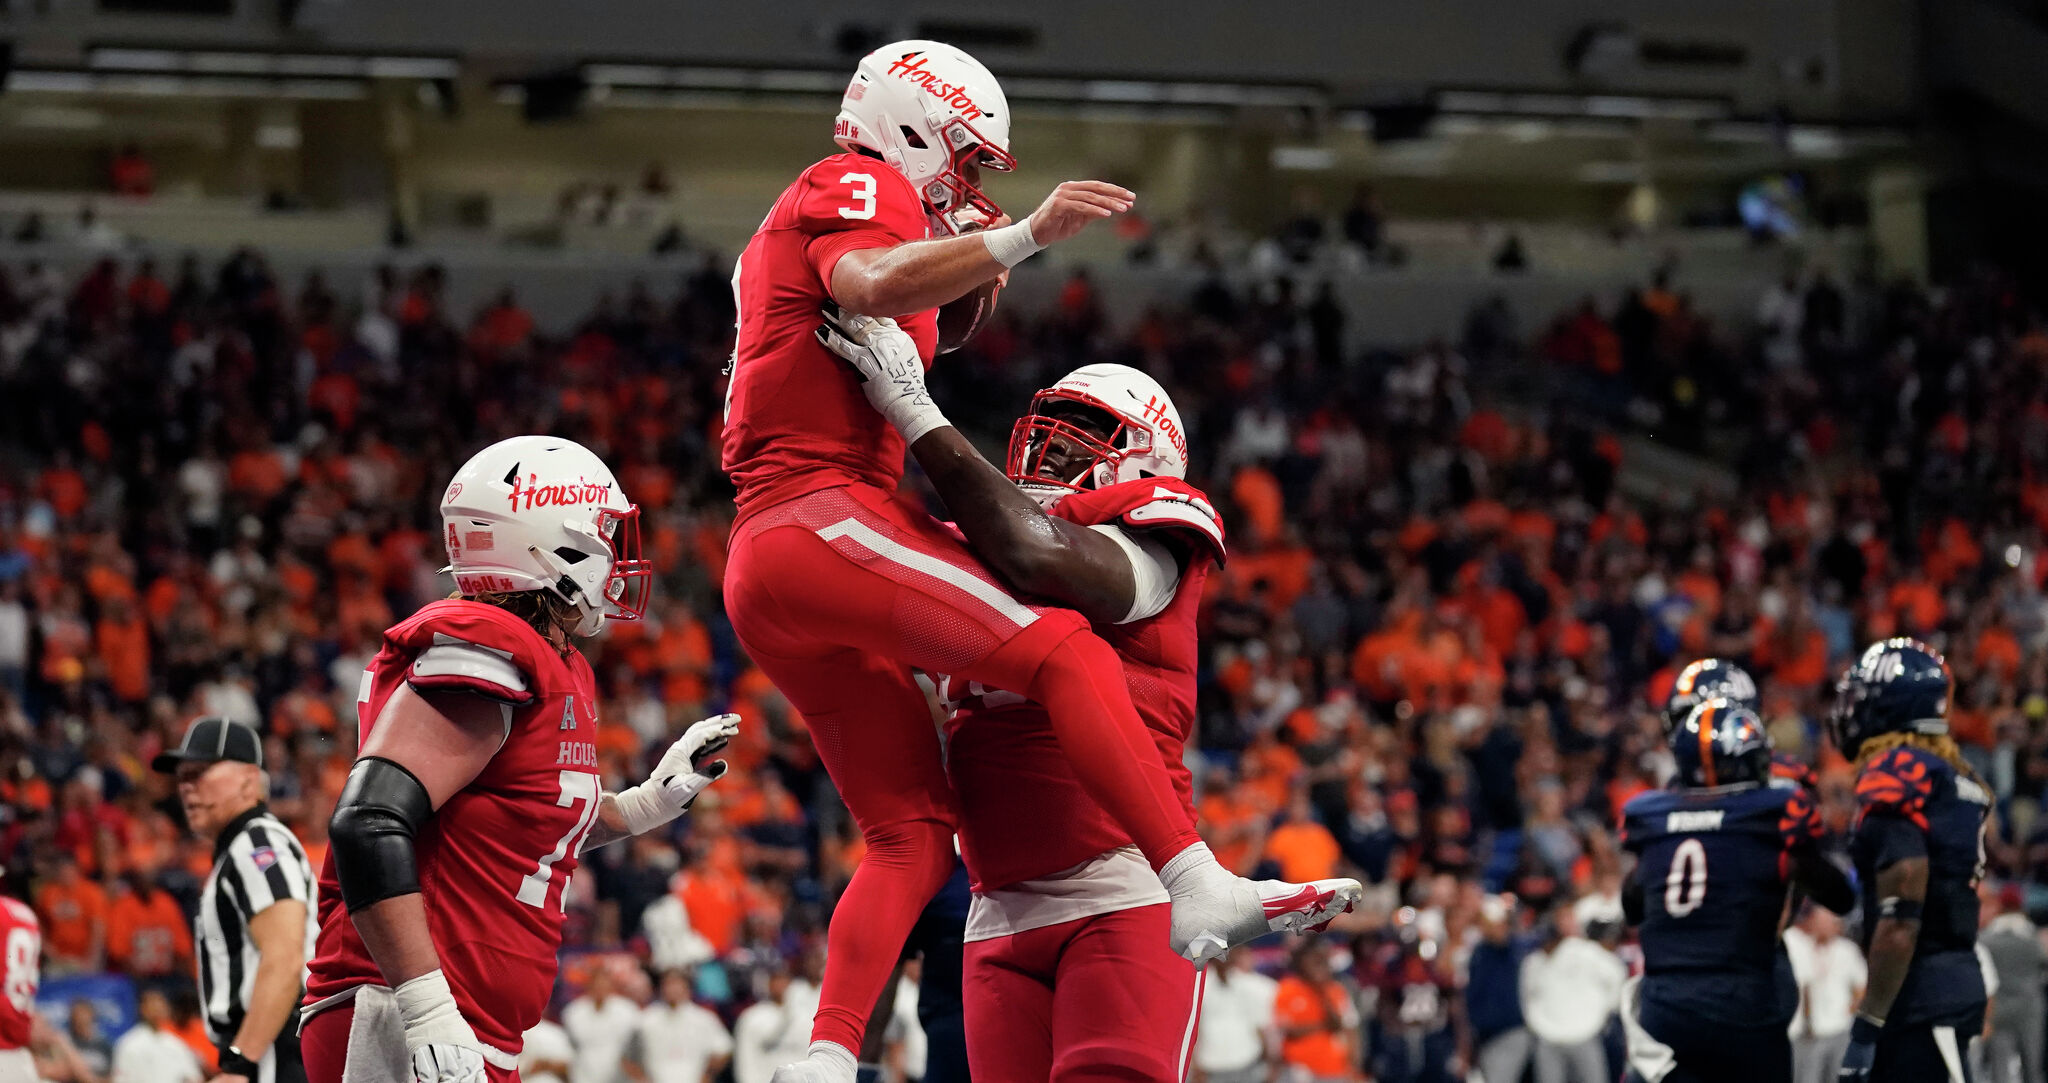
(21, 937)
(1023, 814)
(496, 857)
(795, 419)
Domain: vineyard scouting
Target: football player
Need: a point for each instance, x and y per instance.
(21, 960)
(837, 587)
(1708, 678)
(1918, 844)
(476, 787)
(1719, 678)
(1716, 855)
(1068, 973)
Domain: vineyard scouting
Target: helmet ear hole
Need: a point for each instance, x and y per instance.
(571, 556)
(911, 137)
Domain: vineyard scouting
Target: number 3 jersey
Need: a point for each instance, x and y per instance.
(1715, 866)
(795, 419)
(495, 858)
(1912, 803)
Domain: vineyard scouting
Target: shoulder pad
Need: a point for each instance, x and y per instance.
(1150, 504)
(1786, 771)
(831, 197)
(20, 912)
(1897, 783)
(462, 646)
(451, 665)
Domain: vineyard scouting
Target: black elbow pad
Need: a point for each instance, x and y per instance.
(375, 821)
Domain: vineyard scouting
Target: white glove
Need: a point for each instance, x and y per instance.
(891, 373)
(681, 775)
(439, 1041)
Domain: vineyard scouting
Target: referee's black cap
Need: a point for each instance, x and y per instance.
(210, 740)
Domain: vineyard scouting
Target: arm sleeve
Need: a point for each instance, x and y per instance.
(852, 204)
(1155, 574)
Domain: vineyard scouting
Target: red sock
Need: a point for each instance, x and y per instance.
(905, 865)
(1081, 686)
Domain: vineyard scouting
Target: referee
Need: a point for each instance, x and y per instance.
(255, 927)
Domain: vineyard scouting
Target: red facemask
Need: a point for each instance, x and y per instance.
(1034, 434)
(966, 143)
(631, 585)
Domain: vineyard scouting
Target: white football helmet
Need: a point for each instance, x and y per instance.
(1099, 425)
(544, 513)
(925, 107)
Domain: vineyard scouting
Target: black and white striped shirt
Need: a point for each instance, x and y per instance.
(256, 862)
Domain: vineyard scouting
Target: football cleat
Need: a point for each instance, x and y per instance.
(1307, 908)
(1208, 924)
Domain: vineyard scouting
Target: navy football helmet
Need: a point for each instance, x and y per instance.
(1899, 685)
(1721, 743)
(1708, 678)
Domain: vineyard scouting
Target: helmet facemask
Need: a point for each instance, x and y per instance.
(950, 196)
(1069, 444)
(628, 584)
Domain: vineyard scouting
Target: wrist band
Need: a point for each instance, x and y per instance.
(1012, 244)
(915, 429)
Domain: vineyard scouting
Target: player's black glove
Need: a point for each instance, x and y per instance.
(1862, 1051)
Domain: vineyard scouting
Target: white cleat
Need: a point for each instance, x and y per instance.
(1208, 924)
(1307, 908)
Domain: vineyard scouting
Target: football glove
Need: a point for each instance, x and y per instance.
(1861, 1055)
(683, 773)
(438, 1041)
(891, 372)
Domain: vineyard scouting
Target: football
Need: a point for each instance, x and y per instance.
(959, 319)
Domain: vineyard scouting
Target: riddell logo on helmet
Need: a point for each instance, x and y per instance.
(911, 69)
(1155, 412)
(528, 493)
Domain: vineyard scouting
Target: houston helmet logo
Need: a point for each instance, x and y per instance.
(1154, 411)
(528, 493)
(912, 69)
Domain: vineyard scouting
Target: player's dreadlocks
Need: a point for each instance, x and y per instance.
(1941, 744)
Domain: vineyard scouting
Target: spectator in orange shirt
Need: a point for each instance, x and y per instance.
(146, 932)
(122, 640)
(1303, 847)
(74, 913)
(1317, 1019)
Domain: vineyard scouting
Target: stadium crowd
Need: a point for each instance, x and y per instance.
(1433, 660)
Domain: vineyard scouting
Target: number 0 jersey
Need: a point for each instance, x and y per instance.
(21, 939)
(1715, 866)
(1912, 803)
(495, 858)
(795, 418)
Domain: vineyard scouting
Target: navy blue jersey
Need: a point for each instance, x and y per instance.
(1715, 866)
(1912, 803)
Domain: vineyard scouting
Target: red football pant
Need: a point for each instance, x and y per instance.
(323, 1046)
(1101, 998)
(837, 596)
